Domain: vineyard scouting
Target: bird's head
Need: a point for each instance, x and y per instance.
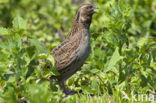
(84, 13)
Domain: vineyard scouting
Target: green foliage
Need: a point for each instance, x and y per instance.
(123, 54)
(21, 75)
(19, 23)
(114, 59)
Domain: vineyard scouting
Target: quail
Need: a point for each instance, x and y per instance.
(71, 54)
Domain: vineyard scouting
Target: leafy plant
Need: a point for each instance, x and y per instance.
(123, 58)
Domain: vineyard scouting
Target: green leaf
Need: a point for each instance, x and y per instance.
(4, 31)
(51, 59)
(19, 23)
(31, 50)
(38, 45)
(114, 59)
(94, 84)
(11, 79)
(48, 57)
(153, 65)
(18, 40)
(143, 40)
(94, 70)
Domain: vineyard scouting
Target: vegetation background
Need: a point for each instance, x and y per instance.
(123, 58)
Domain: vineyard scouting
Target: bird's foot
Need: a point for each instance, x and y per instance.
(69, 92)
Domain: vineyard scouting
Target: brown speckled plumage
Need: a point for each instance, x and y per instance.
(71, 54)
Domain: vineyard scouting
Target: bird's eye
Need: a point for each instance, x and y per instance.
(89, 7)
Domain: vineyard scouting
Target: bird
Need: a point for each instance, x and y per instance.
(71, 54)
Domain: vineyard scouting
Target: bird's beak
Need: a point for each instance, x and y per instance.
(94, 9)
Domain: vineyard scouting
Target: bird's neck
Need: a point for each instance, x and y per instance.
(78, 26)
(81, 25)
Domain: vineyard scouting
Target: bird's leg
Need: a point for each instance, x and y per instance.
(65, 90)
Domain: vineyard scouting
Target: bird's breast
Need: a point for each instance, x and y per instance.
(84, 47)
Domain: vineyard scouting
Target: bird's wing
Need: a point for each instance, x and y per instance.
(66, 53)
